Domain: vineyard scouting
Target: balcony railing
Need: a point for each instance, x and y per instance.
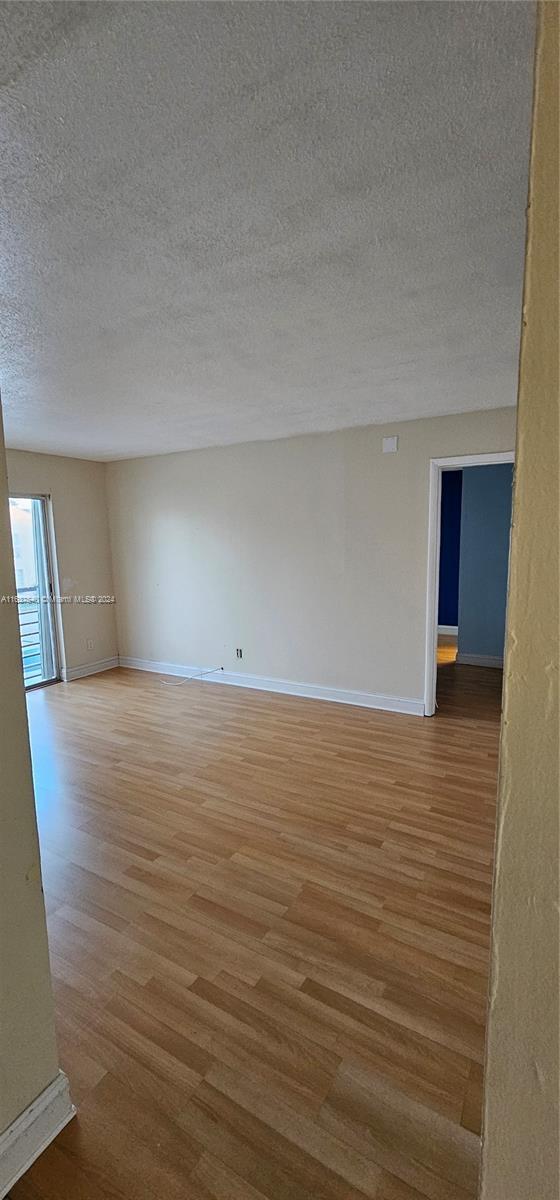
(30, 635)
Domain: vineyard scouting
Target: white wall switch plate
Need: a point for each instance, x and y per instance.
(390, 445)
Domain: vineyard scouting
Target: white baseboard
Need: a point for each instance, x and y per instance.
(450, 630)
(26, 1138)
(285, 686)
(93, 668)
(480, 660)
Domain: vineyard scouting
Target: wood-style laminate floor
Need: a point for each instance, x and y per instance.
(446, 649)
(269, 923)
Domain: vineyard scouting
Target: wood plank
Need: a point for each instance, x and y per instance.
(269, 926)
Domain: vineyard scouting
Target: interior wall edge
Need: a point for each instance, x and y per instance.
(520, 1141)
(33, 1130)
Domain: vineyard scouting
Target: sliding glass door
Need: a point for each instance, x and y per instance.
(34, 585)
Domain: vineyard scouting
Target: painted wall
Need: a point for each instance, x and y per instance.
(450, 540)
(310, 553)
(28, 1055)
(483, 569)
(83, 550)
(520, 1138)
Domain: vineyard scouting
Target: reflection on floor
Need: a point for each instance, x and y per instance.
(269, 927)
(446, 648)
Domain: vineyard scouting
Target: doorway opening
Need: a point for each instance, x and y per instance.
(466, 593)
(35, 590)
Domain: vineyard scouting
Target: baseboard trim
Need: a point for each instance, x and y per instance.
(285, 686)
(480, 660)
(93, 668)
(26, 1138)
(449, 630)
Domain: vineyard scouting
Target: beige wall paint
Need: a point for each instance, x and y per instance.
(310, 553)
(28, 1056)
(83, 552)
(520, 1149)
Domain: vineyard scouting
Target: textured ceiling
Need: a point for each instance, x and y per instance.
(223, 222)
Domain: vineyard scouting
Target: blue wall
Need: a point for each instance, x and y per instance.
(451, 489)
(483, 568)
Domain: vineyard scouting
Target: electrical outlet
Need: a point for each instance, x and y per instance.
(239, 652)
(89, 644)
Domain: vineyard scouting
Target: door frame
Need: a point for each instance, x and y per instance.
(437, 467)
(52, 568)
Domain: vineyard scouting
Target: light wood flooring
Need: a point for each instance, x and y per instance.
(446, 648)
(269, 922)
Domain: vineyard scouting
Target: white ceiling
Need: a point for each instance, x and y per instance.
(223, 222)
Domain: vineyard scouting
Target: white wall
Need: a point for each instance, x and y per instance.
(28, 1055)
(79, 504)
(309, 553)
